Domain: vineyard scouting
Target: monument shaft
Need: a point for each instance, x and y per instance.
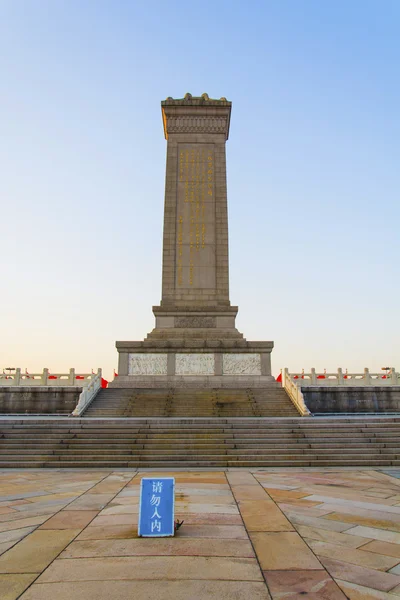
(195, 259)
(195, 341)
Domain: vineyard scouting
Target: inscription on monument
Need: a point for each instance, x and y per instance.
(195, 251)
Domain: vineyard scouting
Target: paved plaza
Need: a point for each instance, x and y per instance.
(327, 534)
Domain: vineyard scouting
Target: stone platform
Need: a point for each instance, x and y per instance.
(39, 399)
(268, 534)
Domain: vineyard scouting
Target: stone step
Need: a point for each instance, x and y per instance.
(64, 448)
(184, 453)
(194, 433)
(209, 442)
(13, 464)
(271, 401)
(187, 443)
(200, 440)
(256, 459)
(175, 423)
(333, 422)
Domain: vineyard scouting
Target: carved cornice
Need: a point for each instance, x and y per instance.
(196, 115)
(194, 124)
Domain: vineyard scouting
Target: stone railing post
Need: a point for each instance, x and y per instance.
(340, 377)
(17, 378)
(367, 377)
(71, 378)
(313, 376)
(394, 377)
(44, 377)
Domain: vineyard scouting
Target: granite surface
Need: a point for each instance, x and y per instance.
(325, 533)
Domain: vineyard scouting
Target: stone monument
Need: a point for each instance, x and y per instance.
(195, 342)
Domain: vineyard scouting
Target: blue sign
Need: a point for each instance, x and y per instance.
(156, 507)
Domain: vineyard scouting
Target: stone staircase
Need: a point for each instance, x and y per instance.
(255, 402)
(185, 443)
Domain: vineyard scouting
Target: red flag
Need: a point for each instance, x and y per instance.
(279, 378)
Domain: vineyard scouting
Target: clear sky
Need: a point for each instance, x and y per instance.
(313, 173)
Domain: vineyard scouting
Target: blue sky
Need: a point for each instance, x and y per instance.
(313, 173)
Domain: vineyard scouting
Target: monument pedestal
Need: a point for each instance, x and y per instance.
(194, 363)
(195, 342)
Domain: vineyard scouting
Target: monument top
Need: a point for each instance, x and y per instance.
(204, 98)
(196, 114)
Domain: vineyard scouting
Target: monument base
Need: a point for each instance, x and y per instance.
(204, 363)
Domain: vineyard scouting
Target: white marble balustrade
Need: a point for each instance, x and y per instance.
(18, 379)
(340, 378)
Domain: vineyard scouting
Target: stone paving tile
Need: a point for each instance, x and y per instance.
(353, 556)
(301, 509)
(214, 531)
(263, 516)
(23, 523)
(183, 508)
(360, 592)
(74, 519)
(17, 516)
(22, 495)
(6, 546)
(375, 534)
(12, 585)
(283, 551)
(245, 493)
(360, 575)
(176, 546)
(286, 495)
(91, 501)
(152, 567)
(332, 537)
(241, 478)
(145, 590)
(316, 585)
(124, 526)
(321, 523)
(384, 548)
(5, 510)
(35, 552)
(181, 497)
(112, 484)
(109, 532)
(395, 570)
(344, 502)
(15, 535)
(367, 521)
(210, 518)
